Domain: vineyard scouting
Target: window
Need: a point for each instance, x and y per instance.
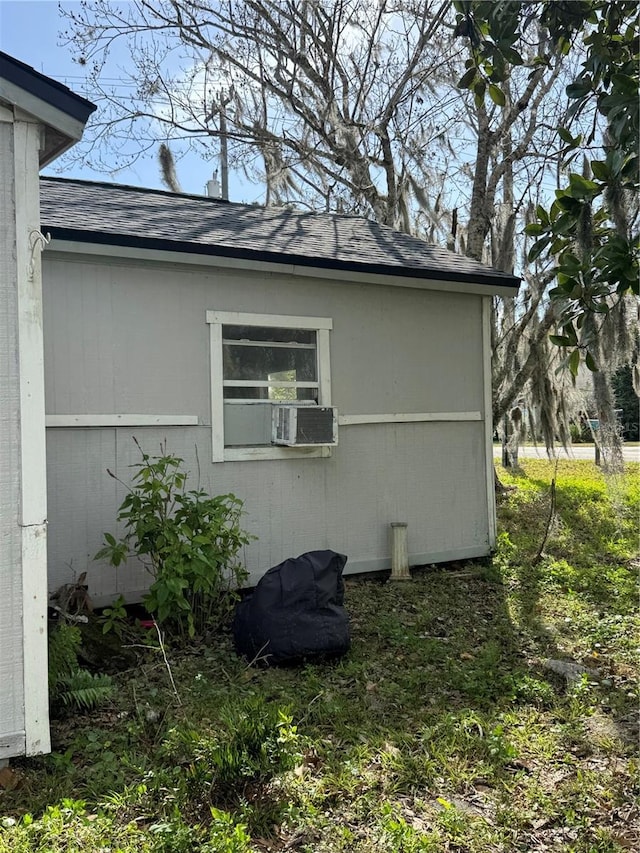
(258, 361)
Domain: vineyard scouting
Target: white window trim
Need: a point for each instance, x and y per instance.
(216, 319)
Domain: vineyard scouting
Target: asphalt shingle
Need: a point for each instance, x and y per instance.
(130, 216)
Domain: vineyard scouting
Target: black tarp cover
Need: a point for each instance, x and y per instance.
(296, 611)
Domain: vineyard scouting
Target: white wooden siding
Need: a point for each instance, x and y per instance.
(134, 338)
(33, 502)
(408, 418)
(123, 420)
(24, 700)
(428, 474)
(12, 734)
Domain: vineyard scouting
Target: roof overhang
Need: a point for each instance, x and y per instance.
(136, 250)
(62, 113)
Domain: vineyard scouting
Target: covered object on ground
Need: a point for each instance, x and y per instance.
(295, 612)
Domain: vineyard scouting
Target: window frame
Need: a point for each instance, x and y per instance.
(322, 326)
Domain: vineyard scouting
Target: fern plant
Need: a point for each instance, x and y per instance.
(83, 690)
(71, 686)
(64, 644)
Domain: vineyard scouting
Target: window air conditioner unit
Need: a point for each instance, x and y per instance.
(304, 426)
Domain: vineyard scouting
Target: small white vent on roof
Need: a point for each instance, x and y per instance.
(214, 190)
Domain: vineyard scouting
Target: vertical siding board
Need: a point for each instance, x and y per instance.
(488, 419)
(11, 700)
(24, 707)
(216, 392)
(83, 503)
(33, 503)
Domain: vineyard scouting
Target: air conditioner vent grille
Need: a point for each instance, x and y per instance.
(305, 425)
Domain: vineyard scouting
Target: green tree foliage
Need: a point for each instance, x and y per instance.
(591, 228)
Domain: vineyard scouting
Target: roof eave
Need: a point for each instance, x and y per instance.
(23, 78)
(62, 112)
(498, 283)
(54, 145)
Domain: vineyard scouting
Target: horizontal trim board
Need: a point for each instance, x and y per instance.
(73, 243)
(408, 418)
(489, 279)
(252, 401)
(120, 420)
(285, 321)
(265, 383)
(123, 420)
(269, 344)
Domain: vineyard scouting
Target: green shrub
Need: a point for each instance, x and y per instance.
(188, 541)
(505, 553)
(225, 835)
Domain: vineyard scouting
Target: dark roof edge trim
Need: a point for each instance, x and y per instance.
(100, 238)
(45, 88)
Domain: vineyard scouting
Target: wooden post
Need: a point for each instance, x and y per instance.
(24, 706)
(399, 555)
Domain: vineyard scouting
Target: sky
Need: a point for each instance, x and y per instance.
(29, 31)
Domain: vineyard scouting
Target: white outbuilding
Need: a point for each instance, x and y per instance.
(332, 373)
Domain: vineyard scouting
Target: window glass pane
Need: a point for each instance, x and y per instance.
(246, 394)
(272, 394)
(261, 362)
(261, 367)
(267, 334)
(281, 394)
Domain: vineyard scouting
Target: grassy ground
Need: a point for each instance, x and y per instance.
(443, 729)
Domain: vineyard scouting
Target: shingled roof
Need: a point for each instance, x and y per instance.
(129, 216)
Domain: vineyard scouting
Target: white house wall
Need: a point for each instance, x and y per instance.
(125, 337)
(12, 734)
(24, 703)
